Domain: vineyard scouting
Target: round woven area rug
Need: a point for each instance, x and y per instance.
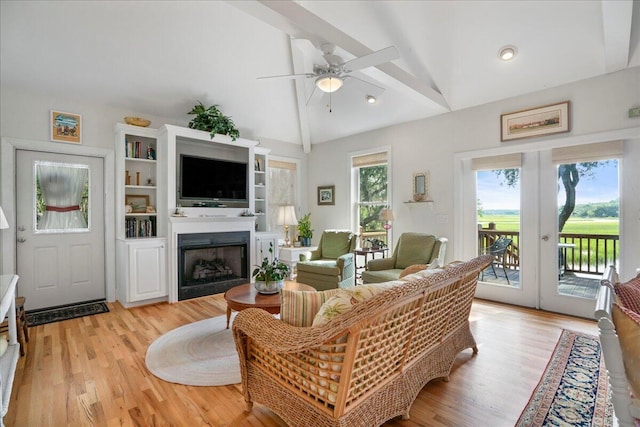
(201, 353)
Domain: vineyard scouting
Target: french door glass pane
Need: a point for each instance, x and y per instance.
(498, 219)
(588, 225)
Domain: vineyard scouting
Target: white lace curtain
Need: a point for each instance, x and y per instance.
(62, 186)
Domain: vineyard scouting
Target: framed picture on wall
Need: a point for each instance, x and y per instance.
(533, 122)
(326, 195)
(65, 127)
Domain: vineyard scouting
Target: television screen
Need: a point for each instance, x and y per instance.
(204, 179)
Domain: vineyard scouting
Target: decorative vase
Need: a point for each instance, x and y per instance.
(305, 241)
(269, 287)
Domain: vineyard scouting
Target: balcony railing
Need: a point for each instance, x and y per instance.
(578, 253)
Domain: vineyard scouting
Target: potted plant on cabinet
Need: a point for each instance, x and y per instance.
(270, 275)
(304, 230)
(212, 120)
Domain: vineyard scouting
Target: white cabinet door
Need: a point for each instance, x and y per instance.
(147, 275)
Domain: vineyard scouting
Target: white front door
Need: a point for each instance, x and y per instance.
(59, 228)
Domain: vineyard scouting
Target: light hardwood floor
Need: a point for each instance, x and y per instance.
(91, 372)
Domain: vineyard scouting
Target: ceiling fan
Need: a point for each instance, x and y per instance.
(331, 76)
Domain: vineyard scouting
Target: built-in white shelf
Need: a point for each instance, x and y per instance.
(141, 187)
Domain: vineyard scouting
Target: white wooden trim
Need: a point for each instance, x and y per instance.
(8, 149)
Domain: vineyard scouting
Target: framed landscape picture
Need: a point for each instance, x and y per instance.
(137, 202)
(545, 120)
(66, 127)
(326, 195)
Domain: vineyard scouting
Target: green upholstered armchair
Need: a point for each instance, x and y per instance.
(411, 249)
(331, 265)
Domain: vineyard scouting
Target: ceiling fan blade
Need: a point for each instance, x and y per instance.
(364, 86)
(288, 76)
(381, 56)
(316, 96)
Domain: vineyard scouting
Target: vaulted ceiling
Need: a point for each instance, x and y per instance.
(161, 57)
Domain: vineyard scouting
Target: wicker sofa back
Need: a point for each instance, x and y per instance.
(366, 365)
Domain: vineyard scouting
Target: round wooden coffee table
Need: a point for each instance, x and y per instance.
(245, 296)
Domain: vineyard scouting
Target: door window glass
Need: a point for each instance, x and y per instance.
(61, 197)
(498, 219)
(588, 225)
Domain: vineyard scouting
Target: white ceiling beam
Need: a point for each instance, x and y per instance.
(616, 24)
(299, 22)
(301, 96)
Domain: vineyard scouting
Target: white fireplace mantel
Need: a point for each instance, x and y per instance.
(202, 224)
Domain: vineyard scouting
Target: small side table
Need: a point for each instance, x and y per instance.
(291, 256)
(365, 253)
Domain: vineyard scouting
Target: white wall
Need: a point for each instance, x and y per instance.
(25, 115)
(597, 105)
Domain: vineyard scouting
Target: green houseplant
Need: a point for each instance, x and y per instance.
(304, 230)
(212, 120)
(270, 275)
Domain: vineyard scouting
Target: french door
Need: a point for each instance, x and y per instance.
(579, 234)
(545, 266)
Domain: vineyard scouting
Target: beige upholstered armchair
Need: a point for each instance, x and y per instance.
(411, 249)
(331, 265)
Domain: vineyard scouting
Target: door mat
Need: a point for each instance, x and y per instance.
(64, 313)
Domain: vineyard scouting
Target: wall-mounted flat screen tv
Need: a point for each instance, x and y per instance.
(205, 179)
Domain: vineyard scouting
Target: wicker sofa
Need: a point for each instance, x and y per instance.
(364, 366)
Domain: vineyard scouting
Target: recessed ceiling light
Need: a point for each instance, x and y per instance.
(370, 99)
(507, 53)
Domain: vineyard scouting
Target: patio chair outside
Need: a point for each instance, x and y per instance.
(498, 249)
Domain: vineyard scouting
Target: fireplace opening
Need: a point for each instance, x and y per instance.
(211, 263)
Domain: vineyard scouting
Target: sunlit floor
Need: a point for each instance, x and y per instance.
(575, 284)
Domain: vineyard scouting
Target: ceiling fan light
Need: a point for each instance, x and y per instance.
(507, 53)
(329, 83)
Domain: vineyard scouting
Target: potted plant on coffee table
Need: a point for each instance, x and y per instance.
(270, 275)
(304, 230)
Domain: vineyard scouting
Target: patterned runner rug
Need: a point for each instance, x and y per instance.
(41, 317)
(574, 390)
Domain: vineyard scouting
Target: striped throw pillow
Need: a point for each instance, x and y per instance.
(629, 294)
(298, 308)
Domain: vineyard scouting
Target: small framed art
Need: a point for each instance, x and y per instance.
(138, 203)
(326, 195)
(66, 127)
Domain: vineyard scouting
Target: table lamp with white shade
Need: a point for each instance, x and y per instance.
(386, 215)
(287, 217)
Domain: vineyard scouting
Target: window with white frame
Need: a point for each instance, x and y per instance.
(283, 189)
(370, 175)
